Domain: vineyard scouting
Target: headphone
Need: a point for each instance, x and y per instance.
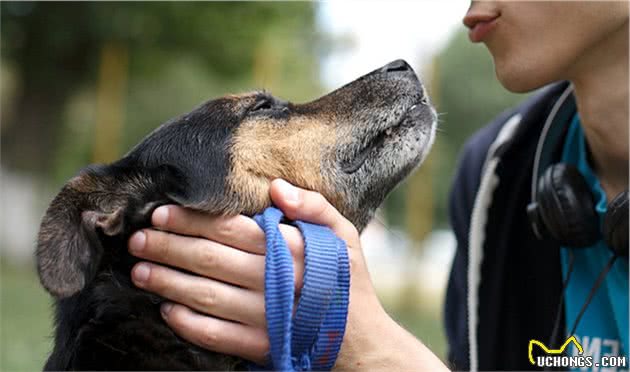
(564, 210)
(562, 206)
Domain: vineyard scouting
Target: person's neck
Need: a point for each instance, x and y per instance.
(601, 91)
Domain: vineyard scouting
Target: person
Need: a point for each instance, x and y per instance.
(505, 284)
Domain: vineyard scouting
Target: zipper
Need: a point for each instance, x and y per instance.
(476, 233)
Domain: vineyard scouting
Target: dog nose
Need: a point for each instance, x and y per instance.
(398, 65)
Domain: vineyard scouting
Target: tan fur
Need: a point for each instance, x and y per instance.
(292, 150)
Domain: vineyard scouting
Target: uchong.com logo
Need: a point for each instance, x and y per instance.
(556, 358)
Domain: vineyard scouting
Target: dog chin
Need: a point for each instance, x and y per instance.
(386, 166)
(403, 149)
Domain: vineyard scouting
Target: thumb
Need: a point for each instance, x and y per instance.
(310, 206)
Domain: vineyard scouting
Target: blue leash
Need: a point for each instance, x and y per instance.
(311, 339)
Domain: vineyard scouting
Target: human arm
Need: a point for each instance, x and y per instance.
(227, 297)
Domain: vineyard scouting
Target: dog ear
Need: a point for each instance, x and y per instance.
(110, 223)
(69, 248)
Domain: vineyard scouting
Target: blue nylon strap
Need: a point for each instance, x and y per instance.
(279, 289)
(327, 285)
(311, 339)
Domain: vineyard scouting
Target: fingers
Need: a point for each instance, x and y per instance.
(214, 260)
(201, 256)
(217, 335)
(204, 295)
(237, 231)
(295, 242)
(299, 204)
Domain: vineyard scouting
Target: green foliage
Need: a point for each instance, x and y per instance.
(179, 54)
(222, 34)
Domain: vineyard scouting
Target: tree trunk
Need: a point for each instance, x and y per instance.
(29, 135)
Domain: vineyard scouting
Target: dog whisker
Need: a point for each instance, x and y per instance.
(111, 347)
(396, 235)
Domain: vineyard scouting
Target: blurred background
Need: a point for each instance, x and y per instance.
(83, 82)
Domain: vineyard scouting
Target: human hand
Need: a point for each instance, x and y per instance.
(222, 309)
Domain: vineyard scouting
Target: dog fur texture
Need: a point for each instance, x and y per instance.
(352, 145)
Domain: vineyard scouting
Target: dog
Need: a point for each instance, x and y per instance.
(353, 146)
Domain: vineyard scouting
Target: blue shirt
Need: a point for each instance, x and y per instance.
(603, 329)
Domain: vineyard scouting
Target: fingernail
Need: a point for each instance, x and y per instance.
(166, 308)
(160, 216)
(137, 242)
(288, 191)
(141, 273)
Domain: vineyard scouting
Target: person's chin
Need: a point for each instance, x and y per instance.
(520, 78)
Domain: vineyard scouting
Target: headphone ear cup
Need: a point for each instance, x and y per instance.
(567, 207)
(616, 225)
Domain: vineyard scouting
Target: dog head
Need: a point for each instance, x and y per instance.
(352, 145)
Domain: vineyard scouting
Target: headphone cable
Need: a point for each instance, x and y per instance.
(556, 323)
(598, 283)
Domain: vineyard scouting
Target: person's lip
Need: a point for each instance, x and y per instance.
(480, 25)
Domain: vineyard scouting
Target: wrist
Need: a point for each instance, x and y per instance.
(360, 345)
(384, 345)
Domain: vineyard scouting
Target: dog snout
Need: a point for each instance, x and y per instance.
(398, 65)
(400, 72)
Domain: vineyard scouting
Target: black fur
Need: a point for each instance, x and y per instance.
(381, 124)
(109, 324)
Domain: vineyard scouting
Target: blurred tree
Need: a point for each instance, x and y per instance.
(54, 49)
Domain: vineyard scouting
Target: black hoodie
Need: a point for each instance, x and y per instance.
(505, 285)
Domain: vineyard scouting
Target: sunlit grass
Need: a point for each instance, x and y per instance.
(25, 320)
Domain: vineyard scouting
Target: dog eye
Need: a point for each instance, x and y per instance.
(262, 105)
